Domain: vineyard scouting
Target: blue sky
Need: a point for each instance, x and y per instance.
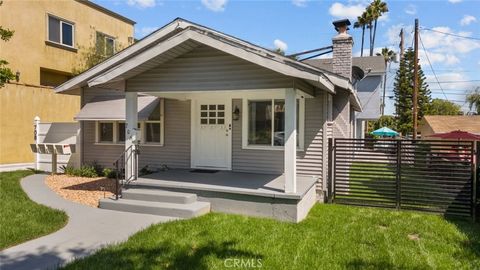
(298, 25)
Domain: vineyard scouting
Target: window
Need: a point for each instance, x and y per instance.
(60, 31)
(151, 130)
(105, 45)
(105, 132)
(266, 123)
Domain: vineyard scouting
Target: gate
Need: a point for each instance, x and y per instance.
(426, 175)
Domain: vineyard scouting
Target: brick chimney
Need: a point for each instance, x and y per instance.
(342, 49)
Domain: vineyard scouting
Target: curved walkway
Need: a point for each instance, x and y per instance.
(88, 229)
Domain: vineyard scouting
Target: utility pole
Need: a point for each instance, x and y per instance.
(415, 81)
(402, 44)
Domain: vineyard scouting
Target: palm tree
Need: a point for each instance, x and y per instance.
(474, 100)
(376, 9)
(388, 56)
(361, 22)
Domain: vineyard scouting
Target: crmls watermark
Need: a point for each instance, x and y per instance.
(243, 263)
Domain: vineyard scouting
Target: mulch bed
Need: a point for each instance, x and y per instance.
(82, 190)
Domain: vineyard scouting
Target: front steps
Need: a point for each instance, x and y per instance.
(157, 202)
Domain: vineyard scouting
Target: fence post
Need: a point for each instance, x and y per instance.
(36, 130)
(330, 171)
(398, 174)
(474, 159)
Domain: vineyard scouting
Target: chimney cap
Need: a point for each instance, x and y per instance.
(341, 23)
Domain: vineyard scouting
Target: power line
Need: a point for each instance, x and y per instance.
(452, 81)
(450, 34)
(430, 63)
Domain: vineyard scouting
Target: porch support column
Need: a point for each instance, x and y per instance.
(290, 141)
(131, 131)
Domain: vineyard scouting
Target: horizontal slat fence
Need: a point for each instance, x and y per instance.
(425, 175)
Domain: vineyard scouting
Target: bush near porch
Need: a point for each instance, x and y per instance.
(20, 218)
(332, 237)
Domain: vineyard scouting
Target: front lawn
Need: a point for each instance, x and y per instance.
(332, 237)
(20, 218)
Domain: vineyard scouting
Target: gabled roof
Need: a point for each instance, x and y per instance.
(447, 123)
(157, 45)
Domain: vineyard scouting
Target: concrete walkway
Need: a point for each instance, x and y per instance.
(88, 229)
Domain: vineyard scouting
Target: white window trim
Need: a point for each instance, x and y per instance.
(245, 117)
(143, 141)
(62, 21)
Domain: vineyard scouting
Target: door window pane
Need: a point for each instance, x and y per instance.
(53, 29)
(106, 132)
(67, 34)
(121, 132)
(260, 122)
(152, 131)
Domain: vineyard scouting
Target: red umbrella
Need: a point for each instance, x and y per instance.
(457, 135)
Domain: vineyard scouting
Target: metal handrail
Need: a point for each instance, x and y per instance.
(120, 168)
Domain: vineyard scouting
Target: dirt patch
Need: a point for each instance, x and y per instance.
(82, 190)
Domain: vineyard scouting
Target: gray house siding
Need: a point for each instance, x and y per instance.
(176, 150)
(309, 161)
(207, 69)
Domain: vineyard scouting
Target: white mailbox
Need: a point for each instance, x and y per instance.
(54, 149)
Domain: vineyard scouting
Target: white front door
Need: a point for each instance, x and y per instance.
(212, 132)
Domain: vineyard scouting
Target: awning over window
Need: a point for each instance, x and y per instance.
(113, 108)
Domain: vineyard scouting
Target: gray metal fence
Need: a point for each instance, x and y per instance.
(426, 175)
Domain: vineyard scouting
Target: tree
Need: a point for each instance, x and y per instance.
(403, 91)
(473, 100)
(384, 121)
(375, 10)
(361, 22)
(96, 53)
(443, 107)
(6, 73)
(388, 56)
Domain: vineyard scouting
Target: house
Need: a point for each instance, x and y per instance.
(43, 52)
(434, 124)
(193, 98)
(368, 74)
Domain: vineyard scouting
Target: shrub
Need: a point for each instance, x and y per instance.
(109, 173)
(68, 170)
(88, 171)
(97, 167)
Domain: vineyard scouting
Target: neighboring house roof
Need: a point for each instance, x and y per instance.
(369, 64)
(143, 54)
(106, 11)
(368, 90)
(447, 123)
(113, 108)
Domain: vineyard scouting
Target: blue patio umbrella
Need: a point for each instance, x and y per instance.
(385, 131)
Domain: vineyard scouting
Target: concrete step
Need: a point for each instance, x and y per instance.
(157, 208)
(158, 195)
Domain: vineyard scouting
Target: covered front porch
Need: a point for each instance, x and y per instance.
(238, 193)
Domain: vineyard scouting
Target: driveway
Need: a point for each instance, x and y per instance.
(88, 230)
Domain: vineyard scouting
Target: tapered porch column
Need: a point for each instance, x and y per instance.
(290, 141)
(131, 135)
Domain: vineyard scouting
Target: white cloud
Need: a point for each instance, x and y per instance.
(454, 1)
(467, 19)
(340, 10)
(145, 31)
(465, 84)
(435, 57)
(411, 9)
(141, 3)
(300, 3)
(215, 5)
(280, 45)
(447, 43)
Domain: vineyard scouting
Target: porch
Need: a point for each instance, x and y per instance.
(251, 194)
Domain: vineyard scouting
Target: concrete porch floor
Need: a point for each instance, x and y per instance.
(249, 194)
(265, 185)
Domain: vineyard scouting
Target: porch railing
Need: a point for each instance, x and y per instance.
(131, 152)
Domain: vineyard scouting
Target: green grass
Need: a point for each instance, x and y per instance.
(332, 237)
(20, 218)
